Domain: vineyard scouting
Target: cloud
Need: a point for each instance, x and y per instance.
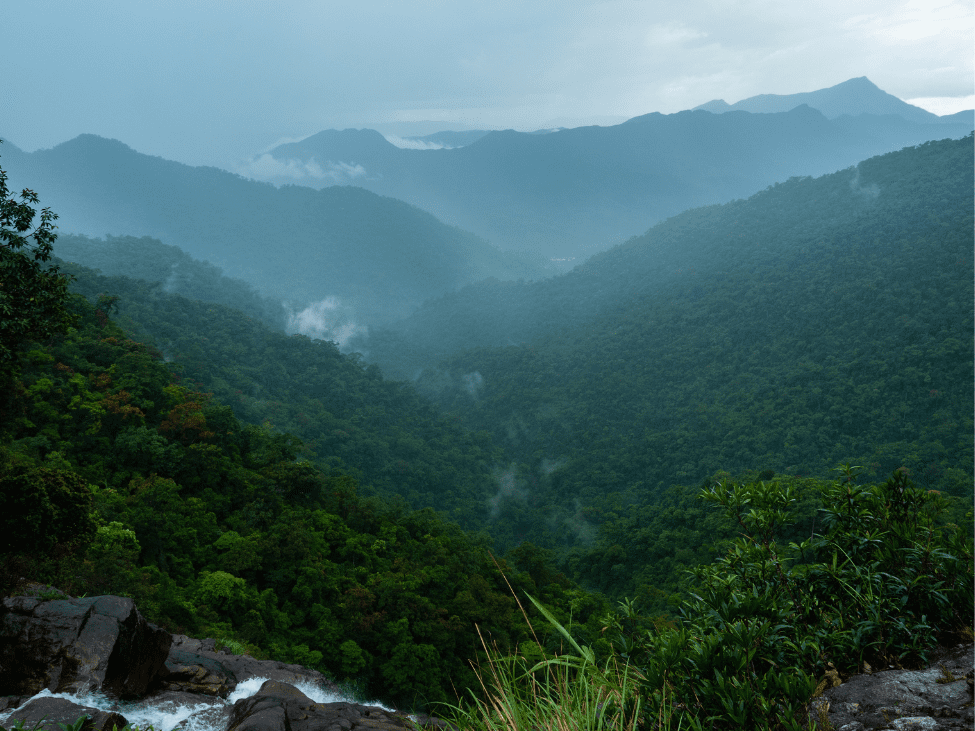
(942, 105)
(509, 486)
(272, 170)
(326, 320)
(548, 466)
(191, 82)
(869, 192)
(473, 382)
(405, 143)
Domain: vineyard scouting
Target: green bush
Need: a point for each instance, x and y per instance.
(882, 585)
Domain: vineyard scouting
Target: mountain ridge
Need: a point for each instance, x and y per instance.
(572, 192)
(851, 97)
(378, 255)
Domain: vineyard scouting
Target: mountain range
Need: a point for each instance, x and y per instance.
(852, 97)
(373, 258)
(571, 192)
(371, 250)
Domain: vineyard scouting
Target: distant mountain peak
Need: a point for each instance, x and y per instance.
(852, 97)
(93, 141)
(716, 106)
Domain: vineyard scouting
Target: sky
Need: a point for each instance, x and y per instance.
(209, 82)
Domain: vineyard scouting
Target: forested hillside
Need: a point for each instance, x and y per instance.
(378, 256)
(823, 321)
(345, 414)
(119, 476)
(157, 263)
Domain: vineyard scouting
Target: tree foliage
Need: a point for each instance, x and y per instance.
(32, 294)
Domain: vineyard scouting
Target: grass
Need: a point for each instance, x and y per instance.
(569, 692)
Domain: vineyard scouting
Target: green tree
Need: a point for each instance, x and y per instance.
(32, 295)
(42, 508)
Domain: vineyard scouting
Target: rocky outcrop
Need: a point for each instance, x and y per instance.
(196, 666)
(103, 644)
(936, 698)
(46, 714)
(70, 645)
(281, 707)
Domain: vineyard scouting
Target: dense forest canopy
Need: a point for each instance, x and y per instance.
(132, 481)
(819, 322)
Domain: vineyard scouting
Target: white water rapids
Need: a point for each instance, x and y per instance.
(167, 714)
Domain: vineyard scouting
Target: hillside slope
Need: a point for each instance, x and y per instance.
(819, 322)
(379, 256)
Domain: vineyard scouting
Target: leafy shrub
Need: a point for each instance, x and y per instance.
(882, 585)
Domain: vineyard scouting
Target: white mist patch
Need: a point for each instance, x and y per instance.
(272, 170)
(473, 382)
(169, 286)
(509, 486)
(870, 192)
(327, 319)
(548, 466)
(575, 523)
(407, 144)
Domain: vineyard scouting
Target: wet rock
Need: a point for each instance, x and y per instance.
(11, 701)
(938, 697)
(281, 707)
(45, 714)
(69, 645)
(197, 666)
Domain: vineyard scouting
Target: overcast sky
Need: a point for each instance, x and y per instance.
(207, 82)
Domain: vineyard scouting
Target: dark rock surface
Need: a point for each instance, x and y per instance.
(44, 714)
(281, 707)
(66, 645)
(69, 645)
(196, 666)
(938, 697)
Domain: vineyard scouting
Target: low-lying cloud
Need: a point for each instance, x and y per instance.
(272, 170)
(327, 319)
(405, 143)
(868, 192)
(473, 382)
(510, 486)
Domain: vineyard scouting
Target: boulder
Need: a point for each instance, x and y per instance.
(195, 666)
(938, 697)
(45, 714)
(70, 645)
(281, 707)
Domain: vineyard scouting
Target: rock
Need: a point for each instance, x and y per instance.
(70, 645)
(44, 714)
(281, 707)
(937, 697)
(915, 723)
(196, 666)
(11, 701)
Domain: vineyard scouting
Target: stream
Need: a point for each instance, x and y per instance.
(169, 711)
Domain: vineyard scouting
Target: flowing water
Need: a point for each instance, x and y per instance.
(183, 711)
